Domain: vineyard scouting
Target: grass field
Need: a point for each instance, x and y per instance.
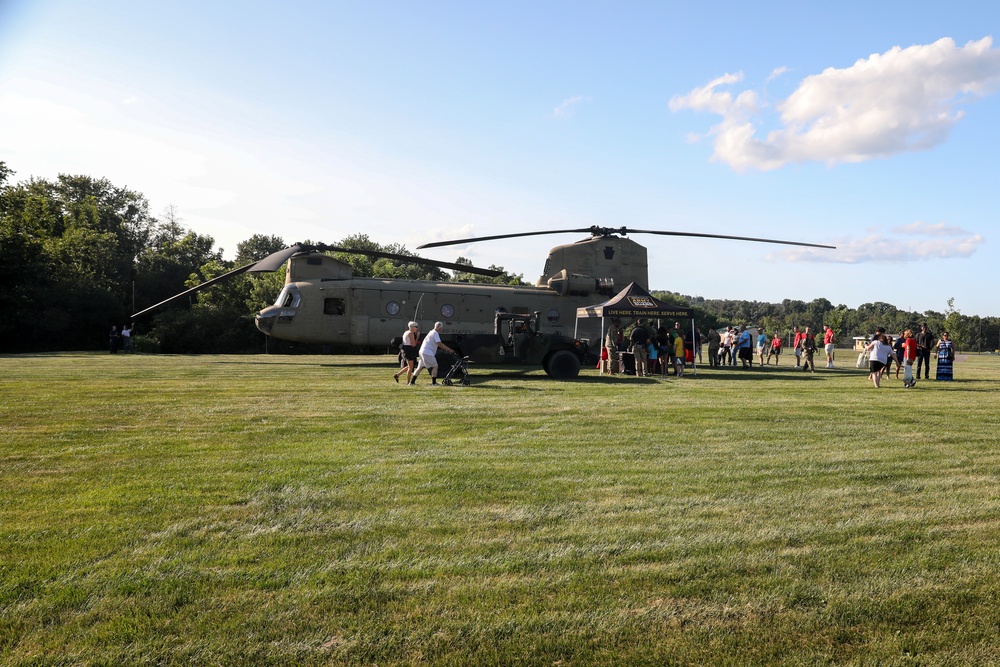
(282, 510)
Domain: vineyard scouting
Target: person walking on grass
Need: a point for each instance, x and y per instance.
(797, 346)
(428, 354)
(828, 344)
(745, 346)
(898, 346)
(775, 350)
(409, 350)
(879, 352)
(808, 346)
(909, 356)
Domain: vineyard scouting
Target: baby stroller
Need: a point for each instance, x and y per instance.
(458, 372)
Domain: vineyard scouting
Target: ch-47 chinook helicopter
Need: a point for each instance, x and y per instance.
(322, 302)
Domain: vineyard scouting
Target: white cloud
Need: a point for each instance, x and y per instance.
(910, 243)
(776, 72)
(568, 107)
(901, 100)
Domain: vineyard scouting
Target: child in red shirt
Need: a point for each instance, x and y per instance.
(909, 356)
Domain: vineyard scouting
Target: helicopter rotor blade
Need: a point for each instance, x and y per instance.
(272, 262)
(733, 238)
(276, 260)
(623, 231)
(438, 244)
(413, 259)
(198, 288)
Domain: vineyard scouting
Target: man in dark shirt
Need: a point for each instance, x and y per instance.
(639, 340)
(925, 343)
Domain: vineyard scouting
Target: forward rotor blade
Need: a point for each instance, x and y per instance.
(198, 288)
(276, 260)
(411, 259)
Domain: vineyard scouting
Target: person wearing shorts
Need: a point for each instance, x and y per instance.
(428, 354)
(409, 348)
(775, 350)
(828, 345)
(797, 346)
(879, 351)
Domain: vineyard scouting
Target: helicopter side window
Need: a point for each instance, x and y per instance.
(334, 306)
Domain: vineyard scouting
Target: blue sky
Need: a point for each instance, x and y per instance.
(869, 126)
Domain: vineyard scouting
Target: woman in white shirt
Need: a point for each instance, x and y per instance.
(879, 351)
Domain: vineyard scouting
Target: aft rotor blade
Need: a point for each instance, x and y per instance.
(198, 288)
(623, 231)
(733, 238)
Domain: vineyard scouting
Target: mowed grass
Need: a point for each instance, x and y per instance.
(277, 510)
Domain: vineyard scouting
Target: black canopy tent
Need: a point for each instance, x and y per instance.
(634, 301)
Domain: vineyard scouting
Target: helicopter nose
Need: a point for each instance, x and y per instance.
(265, 322)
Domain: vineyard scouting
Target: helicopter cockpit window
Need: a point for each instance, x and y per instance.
(447, 310)
(552, 316)
(334, 306)
(288, 298)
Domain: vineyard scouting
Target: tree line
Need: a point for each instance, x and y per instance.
(79, 255)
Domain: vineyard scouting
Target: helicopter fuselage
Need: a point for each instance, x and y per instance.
(369, 312)
(322, 302)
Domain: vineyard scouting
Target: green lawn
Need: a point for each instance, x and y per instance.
(282, 510)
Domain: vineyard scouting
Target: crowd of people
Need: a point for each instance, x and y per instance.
(644, 350)
(663, 351)
(654, 351)
(907, 350)
(734, 344)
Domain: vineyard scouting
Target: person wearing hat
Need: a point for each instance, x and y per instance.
(409, 350)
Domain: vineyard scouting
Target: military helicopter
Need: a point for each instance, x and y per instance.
(322, 302)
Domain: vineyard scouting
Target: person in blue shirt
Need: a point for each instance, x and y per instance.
(762, 343)
(744, 345)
